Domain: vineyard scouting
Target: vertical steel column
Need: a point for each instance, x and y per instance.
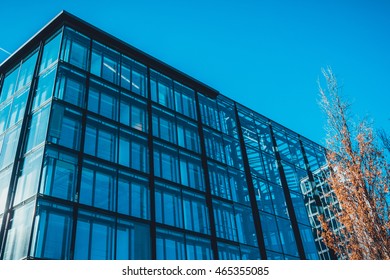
(251, 189)
(153, 233)
(209, 201)
(287, 196)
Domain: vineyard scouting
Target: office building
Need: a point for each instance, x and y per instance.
(109, 153)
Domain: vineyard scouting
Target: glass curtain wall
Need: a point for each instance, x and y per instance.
(99, 123)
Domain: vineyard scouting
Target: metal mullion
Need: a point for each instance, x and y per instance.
(153, 233)
(251, 189)
(290, 206)
(80, 153)
(209, 200)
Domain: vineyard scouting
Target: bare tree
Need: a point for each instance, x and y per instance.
(359, 176)
(385, 139)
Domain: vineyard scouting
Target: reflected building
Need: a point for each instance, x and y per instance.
(109, 153)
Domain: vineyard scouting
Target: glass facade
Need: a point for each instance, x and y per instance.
(108, 154)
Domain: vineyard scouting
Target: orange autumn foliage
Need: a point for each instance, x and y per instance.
(359, 176)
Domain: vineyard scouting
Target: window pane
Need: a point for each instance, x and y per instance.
(228, 252)
(53, 231)
(198, 248)
(245, 226)
(45, 87)
(50, 52)
(133, 76)
(169, 209)
(65, 127)
(70, 86)
(103, 100)
(59, 175)
(133, 151)
(185, 100)
(166, 163)
(133, 112)
(162, 91)
(191, 172)
(225, 220)
(133, 241)
(8, 145)
(28, 180)
(164, 125)
(38, 125)
(98, 187)
(18, 108)
(95, 237)
(19, 232)
(75, 48)
(5, 177)
(287, 237)
(133, 198)
(170, 245)
(219, 181)
(105, 63)
(209, 112)
(270, 232)
(188, 135)
(195, 213)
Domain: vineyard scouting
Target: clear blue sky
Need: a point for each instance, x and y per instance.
(264, 54)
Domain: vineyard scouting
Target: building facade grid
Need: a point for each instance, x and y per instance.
(107, 153)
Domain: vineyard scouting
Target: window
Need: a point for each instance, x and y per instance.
(18, 108)
(133, 76)
(164, 125)
(105, 63)
(188, 135)
(293, 176)
(214, 145)
(5, 110)
(308, 242)
(37, 128)
(101, 140)
(133, 151)
(28, 180)
(299, 208)
(5, 177)
(238, 186)
(65, 127)
(219, 181)
(70, 86)
(185, 100)
(50, 52)
(198, 248)
(75, 48)
(166, 163)
(255, 162)
(227, 116)
(52, 231)
(228, 252)
(287, 237)
(45, 87)
(133, 196)
(162, 91)
(191, 172)
(103, 100)
(8, 145)
(19, 232)
(271, 169)
(98, 186)
(169, 206)
(133, 113)
(245, 225)
(195, 213)
(270, 232)
(59, 175)
(225, 220)
(95, 236)
(170, 245)
(209, 112)
(132, 241)
(233, 153)
(263, 195)
(19, 78)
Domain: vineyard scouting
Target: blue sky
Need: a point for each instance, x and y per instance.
(264, 54)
